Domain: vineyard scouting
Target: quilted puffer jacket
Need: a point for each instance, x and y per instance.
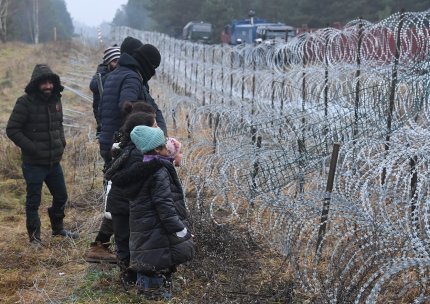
(122, 84)
(157, 212)
(36, 122)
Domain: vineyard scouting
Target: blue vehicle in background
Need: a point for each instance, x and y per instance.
(242, 31)
(255, 30)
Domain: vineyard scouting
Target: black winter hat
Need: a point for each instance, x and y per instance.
(149, 59)
(130, 44)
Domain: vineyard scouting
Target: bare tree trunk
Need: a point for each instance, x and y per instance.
(36, 20)
(3, 19)
(29, 19)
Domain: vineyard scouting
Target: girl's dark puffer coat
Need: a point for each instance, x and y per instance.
(157, 212)
(116, 202)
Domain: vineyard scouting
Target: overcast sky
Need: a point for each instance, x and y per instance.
(93, 12)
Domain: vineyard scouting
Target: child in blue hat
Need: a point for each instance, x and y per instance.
(160, 237)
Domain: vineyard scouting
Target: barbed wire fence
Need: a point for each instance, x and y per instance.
(261, 122)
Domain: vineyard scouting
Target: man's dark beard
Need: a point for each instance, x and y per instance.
(47, 93)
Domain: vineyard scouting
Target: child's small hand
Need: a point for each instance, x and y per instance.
(178, 158)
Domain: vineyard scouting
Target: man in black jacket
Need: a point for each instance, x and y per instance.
(110, 60)
(127, 83)
(36, 126)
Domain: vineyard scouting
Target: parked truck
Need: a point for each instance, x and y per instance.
(197, 31)
(272, 32)
(255, 30)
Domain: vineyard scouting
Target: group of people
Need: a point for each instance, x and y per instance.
(145, 208)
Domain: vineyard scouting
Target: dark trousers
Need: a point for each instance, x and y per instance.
(106, 228)
(105, 231)
(121, 228)
(106, 155)
(35, 176)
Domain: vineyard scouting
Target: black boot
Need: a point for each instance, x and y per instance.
(33, 229)
(57, 226)
(128, 276)
(34, 233)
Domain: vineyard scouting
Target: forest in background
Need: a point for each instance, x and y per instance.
(34, 21)
(18, 17)
(170, 16)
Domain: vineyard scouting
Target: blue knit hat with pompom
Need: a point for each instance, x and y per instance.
(147, 138)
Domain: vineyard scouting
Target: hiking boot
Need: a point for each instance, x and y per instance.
(66, 233)
(36, 244)
(100, 253)
(168, 282)
(56, 218)
(128, 278)
(153, 287)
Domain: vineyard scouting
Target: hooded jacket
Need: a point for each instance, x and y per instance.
(123, 84)
(103, 70)
(157, 212)
(36, 122)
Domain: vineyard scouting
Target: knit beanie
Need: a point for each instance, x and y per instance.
(130, 44)
(147, 138)
(111, 53)
(148, 58)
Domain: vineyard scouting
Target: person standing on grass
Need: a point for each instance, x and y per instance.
(160, 237)
(36, 126)
(127, 83)
(110, 60)
(99, 251)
